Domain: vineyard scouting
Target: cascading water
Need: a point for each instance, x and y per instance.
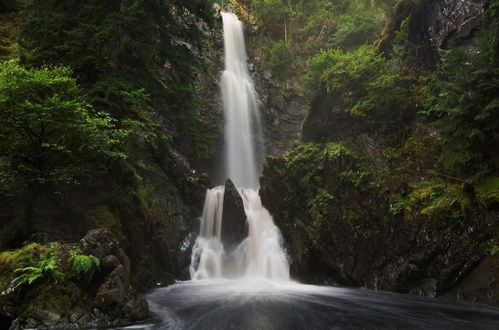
(261, 254)
(242, 122)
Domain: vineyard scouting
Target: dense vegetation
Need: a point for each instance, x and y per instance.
(83, 99)
(293, 31)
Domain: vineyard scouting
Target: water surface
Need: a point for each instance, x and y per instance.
(264, 304)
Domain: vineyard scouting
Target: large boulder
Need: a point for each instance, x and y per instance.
(99, 243)
(234, 228)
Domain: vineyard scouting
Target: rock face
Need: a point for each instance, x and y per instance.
(282, 111)
(345, 222)
(234, 228)
(434, 25)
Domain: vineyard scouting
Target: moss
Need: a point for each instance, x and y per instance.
(488, 191)
(424, 148)
(435, 200)
(401, 12)
(102, 217)
(30, 263)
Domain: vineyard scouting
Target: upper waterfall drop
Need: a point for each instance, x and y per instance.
(242, 119)
(261, 253)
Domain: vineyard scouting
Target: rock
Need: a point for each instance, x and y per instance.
(109, 298)
(234, 228)
(434, 25)
(481, 284)
(137, 310)
(99, 243)
(36, 318)
(113, 291)
(109, 263)
(426, 287)
(358, 240)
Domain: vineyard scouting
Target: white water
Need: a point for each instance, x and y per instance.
(261, 254)
(242, 121)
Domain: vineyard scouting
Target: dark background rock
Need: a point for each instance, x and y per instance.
(234, 228)
(99, 243)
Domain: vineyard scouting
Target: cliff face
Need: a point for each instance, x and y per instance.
(349, 219)
(434, 25)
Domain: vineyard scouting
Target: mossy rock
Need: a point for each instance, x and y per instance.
(488, 191)
(102, 217)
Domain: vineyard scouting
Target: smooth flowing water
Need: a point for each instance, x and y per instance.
(241, 117)
(261, 254)
(248, 287)
(263, 304)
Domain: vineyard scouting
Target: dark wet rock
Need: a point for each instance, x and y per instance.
(234, 228)
(322, 124)
(481, 284)
(338, 228)
(99, 243)
(114, 291)
(426, 287)
(137, 309)
(109, 263)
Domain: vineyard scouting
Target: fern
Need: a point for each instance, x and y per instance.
(83, 265)
(45, 268)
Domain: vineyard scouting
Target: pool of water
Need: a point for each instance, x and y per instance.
(262, 304)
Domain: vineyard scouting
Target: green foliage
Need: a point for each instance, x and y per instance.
(121, 48)
(280, 60)
(364, 84)
(360, 24)
(488, 190)
(49, 133)
(401, 40)
(46, 266)
(83, 265)
(347, 73)
(273, 14)
(310, 26)
(9, 26)
(463, 99)
(435, 200)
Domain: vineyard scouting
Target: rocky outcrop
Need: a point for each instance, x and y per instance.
(282, 110)
(382, 225)
(79, 299)
(434, 25)
(234, 228)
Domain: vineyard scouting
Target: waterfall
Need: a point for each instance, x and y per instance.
(241, 117)
(261, 254)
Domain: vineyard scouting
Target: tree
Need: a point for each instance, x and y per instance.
(463, 100)
(49, 134)
(124, 46)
